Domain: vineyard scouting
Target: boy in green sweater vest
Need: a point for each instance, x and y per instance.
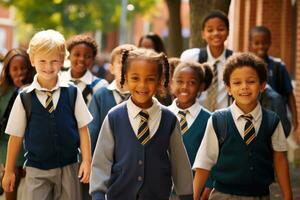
(245, 143)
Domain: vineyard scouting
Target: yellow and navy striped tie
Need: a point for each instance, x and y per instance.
(212, 91)
(249, 131)
(183, 122)
(143, 131)
(49, 102)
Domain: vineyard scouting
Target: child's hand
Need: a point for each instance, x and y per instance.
(205, 194)
(84, 171)
(8, 181)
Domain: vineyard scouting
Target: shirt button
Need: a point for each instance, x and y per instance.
(251, 168)
(140, 178)
(140, 162)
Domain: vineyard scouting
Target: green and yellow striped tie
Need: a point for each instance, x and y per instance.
(49, 102)
(183, 122)
(143, 131)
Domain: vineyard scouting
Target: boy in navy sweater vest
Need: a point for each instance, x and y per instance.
(54, 130)
(243, 144)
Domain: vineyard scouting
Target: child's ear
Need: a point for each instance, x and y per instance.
(228, 90)
(202, 35)
(263, 86)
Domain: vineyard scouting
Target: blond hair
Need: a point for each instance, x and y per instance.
(47, 41)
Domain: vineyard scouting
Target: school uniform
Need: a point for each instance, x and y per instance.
(123, 168)
(271, 100)
(51, 141)
(88, 83)
(241, 171)
(283, 86)
(196, 118)
(102, 101)
(222, 96)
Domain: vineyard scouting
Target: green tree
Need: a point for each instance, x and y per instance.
(198, 10)
(74, 16)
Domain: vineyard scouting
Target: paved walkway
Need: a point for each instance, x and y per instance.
(295, 181)
(275, 191)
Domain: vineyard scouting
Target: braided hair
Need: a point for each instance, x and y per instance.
(146, 54)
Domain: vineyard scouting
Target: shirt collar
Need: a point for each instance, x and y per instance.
(35, 85)
(87, 78)
(192, 110)
(256, 113)
(211, 59)
(113, 86)
(133, 110)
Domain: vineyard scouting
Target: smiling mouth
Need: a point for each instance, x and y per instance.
(248, 94)
(141, 93)
(184, 94)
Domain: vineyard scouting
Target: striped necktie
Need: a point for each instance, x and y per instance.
(183, 122)
(143, 131)
(123, 96)
(249, 131)
(212, 92)
(49, 101)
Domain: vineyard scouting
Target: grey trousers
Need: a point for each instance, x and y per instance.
(216, 195)
(54, 184)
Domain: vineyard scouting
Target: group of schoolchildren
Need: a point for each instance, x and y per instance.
(116, 141)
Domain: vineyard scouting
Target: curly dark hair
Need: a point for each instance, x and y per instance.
(239, 60)
(82, 39)
(216, 14)
(146, 54)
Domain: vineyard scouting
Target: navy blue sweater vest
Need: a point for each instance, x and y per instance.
(193, 137)
(104, 99)
(140, 172)
(242, 169)
(51, 140)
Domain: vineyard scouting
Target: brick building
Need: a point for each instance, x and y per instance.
(6, 29)
(280, 16)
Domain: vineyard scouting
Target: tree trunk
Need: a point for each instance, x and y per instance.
(198, 10)
(175, 41)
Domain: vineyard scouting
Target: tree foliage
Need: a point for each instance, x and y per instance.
(199, 9)
(75, 16)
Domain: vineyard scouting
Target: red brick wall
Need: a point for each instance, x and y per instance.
(7, 27)
(277, 17)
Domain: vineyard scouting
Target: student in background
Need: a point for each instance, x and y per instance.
(83, 50)
(17, 72)
(56, 128)
(152, 41)
(278, 76)
(245, 143)
(140, 150)
(107, 97)
(215, 30)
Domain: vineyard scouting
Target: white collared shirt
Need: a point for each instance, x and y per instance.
(192, 113)
(113, 87)
(17, 121)
(154, 116)
(85, 80)
(208, 151)
(193, 55)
